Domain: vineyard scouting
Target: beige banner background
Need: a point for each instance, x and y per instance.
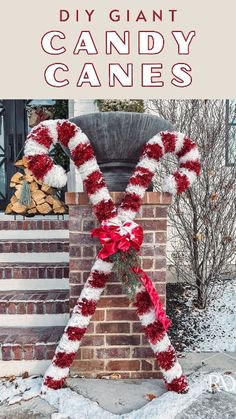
(212, 52)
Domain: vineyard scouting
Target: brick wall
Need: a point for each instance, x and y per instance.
(114, 342)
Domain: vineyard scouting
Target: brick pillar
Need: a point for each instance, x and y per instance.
(114, 342)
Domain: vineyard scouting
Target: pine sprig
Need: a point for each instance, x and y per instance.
(123, 266)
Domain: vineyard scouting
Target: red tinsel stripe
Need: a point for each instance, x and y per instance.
(65, 131)
(94, 182)
(154, 331)
(141, 177)
(188, 145)
(104, 210)
(182, 182)
(179, 385)
(40, 164)
(75, 333)
(98, 279)
(82, 153)
(63, 360)
(54, 384)
(152, 151)
(166, 359)
(169, 141)
(87, 307)
(42, 136)
(131, 201)
(192, 165)
(142, 302)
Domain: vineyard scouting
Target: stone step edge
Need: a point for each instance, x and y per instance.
(17, 368)
(33, 320)
(41, 284)
(62, 234)
(25, 258)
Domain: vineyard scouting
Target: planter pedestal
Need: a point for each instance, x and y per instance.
(114, 342)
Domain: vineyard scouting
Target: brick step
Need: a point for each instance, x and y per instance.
(36, 343)
(34, 271)
(29, 246)
(34, 224)
(34, 302)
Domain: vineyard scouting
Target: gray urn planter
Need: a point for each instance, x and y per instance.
(117, 139)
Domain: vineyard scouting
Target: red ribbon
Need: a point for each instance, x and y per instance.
(154, 296)
(114, 238)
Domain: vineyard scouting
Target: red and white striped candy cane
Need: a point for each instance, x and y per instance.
(68, 134)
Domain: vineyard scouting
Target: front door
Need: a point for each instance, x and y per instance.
(13, 130)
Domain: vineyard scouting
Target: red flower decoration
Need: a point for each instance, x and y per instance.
(40, 164)
(98, 279)
(65, 131)
(152, 151)
(42, 136)
(82, 153)
(182, 182)
(87, 307)
(154, 331)
(104, 210)
(141, 177)
(63, 360)
(131, 201)
(75, 333)
(192, 165)
(94, 182)
(167, 358)
(179, 385)
(169, 141)
(143, 302)
(187, 146)
(54, 384)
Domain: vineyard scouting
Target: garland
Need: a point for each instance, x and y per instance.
(119, 235)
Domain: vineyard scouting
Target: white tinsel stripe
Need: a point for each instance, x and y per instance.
(169, 185)
(33, 148)
(126, 215)
(102, 266)
(149, 164)
(172, 373)
(66, 345)
(148, 318)
(56, 372)
(161, 345)
(79, 138)
(52, 128)
(91, 293)
(78, 320)
(88, 168)
(192, 155)
(179, 141)
(191, 175)
(56, 177)
(138, 190)
(157, 140)
(101, 195)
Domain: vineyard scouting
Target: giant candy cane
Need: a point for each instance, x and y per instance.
(151, 316)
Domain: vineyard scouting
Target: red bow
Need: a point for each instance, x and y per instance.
(114, 237)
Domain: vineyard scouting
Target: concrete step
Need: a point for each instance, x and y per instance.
(37, 234)
(34, 302)
(33, 284)
(29, 246)
(25, 258)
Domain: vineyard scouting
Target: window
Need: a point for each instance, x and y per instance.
(230, 132)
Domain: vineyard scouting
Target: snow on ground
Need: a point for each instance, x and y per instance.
(207, 330)
(71, 405)
(217, 331)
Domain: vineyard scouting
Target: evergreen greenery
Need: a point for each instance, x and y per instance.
(124, 264)
(126, 105)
